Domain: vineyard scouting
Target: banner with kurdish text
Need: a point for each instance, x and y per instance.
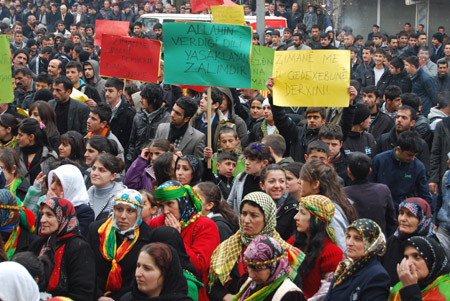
(6, 87)
(130, 58)
(228, 14)
(262, 66)
(311, 78)
(207, 54)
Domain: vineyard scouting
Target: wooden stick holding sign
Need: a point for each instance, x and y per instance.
(208, 116)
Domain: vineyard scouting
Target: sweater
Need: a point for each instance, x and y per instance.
(101, 198)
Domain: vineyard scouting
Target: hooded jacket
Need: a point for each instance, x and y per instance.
(98, 83)
(435, 116)
(241, 126)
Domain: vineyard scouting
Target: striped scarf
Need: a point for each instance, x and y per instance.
(264, 129)
(11, 244)
(110, 251)
(227, 253)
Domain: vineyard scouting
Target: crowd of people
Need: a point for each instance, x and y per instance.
(119, 197)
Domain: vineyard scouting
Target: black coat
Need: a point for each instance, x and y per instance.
(381, 124)
(298, 137)
(285, 217)
(122, 122)
(128, 263)
(77, 117)
(374, 201)
(144, 130)
(369, 283)
(77, 275)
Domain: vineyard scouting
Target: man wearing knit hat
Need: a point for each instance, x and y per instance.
(437, 51)
(358, 139)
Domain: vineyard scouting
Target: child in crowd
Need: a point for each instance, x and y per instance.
(141, 174)
(228, 142)
(224, 179)
(317, 150)
(150, 209)
(277, 147)
(257, 156)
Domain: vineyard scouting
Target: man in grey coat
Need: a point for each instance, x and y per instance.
(185, 138)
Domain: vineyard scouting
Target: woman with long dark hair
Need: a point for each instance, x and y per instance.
(316, 238)
(217, 209)
(35, 152)
(72, 147)
(43, 112)
(316, 177)
(9, 124)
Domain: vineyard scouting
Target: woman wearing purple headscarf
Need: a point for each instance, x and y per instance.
(268, 271)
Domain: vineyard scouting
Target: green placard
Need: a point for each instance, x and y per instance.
(6, 90)
(262, 65)
(207, 54)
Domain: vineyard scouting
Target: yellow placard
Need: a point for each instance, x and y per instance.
(228, 14)
(311, 78)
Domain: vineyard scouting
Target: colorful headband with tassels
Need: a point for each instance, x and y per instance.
(164, 194)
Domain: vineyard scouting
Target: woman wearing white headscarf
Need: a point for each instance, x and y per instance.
(67, 182)
(17, 283)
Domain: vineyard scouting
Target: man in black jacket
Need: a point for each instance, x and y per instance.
(405, 120)
(74, 71)
(364, 72)
(397, 76)
(153, 112)
(380, 123)
(71, 114)
(122, 112)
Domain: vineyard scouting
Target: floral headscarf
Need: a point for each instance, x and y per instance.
(421, 209)
(131, 198)
(264, 252)
(189, 202)
(322, 208)
(374, 244)
(67, 229)
(109, 248)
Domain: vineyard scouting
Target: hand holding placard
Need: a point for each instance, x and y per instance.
(311, 78)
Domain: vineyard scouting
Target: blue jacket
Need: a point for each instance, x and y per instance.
(425, 86)
(372, 282)
(444, 212)
(403, 179)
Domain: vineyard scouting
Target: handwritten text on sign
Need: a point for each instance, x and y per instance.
(205, 54)
(6, 91)
(311, 78)
(262, 65)
(130, 58)
(228, 14)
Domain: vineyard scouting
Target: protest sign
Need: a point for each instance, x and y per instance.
(118, 28)
(311, 78)
(199, 5)
(273, 23)
(228, 14)
(206, 54)
(262, 65)
(130, 58)
(6, 91)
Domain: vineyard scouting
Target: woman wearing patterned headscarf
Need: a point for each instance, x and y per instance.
(181, 209)
(414, 219)
(16, 224)
(359, 275)
(268, 269)
(424, 272)
(257, 217)
(315, 236)
(188, 170)
(73, 274)
(116, 242)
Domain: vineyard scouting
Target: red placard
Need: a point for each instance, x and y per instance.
(118, 28)
(199, 5)
(130, 58)
(271, 23)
